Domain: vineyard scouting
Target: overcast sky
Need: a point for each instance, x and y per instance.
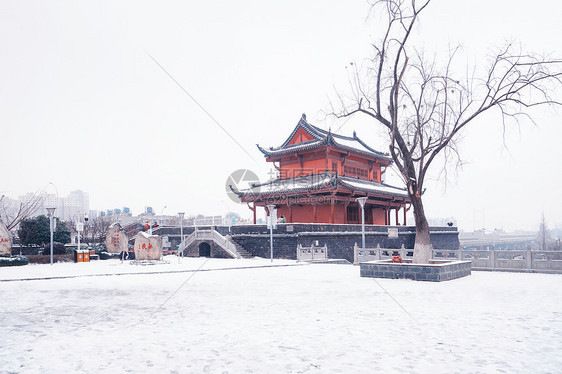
(84, 106)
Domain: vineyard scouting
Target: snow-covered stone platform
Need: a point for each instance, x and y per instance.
(435, 271)
(286, 319)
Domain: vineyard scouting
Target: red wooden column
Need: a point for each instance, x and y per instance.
(396, 210)
(332, 211)
(404, 214)
(385, 215)
(388, 214)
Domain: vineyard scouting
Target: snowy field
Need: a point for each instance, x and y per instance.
(286, 319)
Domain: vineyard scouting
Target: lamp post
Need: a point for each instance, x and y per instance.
(162, 215)
(271, 208)
(361, 201)
(181, 214)
(79, 229)
(50, 212)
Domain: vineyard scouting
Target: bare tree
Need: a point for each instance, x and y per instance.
(544, 239)
(12, 213)
(88, 232)
(424, 105)
(99, 227)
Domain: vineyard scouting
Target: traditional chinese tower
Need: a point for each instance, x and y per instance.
(321, 175)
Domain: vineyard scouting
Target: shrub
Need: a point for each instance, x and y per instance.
(98, 248)
(106, 255)
(14, 261)
(31, 250)
(58, 249)
(45, 259)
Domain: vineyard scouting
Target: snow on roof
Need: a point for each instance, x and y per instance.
(322, 138)
(309, 182)
(354, 144)
(370, 186)
(319, 181)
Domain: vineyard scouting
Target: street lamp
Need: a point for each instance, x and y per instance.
(162, 215)
(79, 229)
(361, 201)
(50, 212)
(271, 208)
(181, 214)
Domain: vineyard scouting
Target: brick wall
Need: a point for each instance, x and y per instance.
(339, 239)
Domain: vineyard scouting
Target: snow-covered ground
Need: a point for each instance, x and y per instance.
(286, 319)
(170, 264)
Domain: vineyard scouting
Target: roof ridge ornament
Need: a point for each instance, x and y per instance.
(304, 117)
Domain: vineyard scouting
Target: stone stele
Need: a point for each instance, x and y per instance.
(148, 247)
(5, 241)
(116, 240)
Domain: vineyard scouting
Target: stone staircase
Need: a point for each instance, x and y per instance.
(243, 253)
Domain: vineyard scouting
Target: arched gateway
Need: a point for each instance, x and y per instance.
(204, 250)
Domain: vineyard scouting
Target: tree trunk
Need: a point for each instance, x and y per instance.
(422, 246)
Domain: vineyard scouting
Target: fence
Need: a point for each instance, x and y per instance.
(540, 261)
(509, 260)
(311, 253)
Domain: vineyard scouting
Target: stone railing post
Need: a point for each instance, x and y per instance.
(379, 252)
(402, 252)
(529, 257)
(460, 254)
(493, 257)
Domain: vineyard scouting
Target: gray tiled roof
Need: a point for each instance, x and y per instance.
(318, 182)
(321, 139)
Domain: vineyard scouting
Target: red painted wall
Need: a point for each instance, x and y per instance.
(317, 166)
(305, 214)
(300, 134)
(378, 216)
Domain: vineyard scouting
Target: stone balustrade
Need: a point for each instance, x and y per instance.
(506, 260)
(311, 253)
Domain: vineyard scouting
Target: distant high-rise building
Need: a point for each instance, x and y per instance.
(76, 204)
(71, 207)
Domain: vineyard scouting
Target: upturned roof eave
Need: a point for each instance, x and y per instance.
(321, 137)
(317, 144)
(340, 186)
